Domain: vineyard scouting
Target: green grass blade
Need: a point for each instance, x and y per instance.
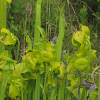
(62, 89)
(29, 89)
(67, 93)
(84, 93)
(18, 49)
(28, 40)
(37, 22)
(44, 91)
(41, 44)
(37, 90)
(59, 42)
(5, 78)
(53, 91)
(59, 45)
(25, 90)
(21, 93)
(90, 96)
(3, 8)
(33, 94)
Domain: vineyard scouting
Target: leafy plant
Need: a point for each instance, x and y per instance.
(10, 39)
(42, 74)
(82, 59)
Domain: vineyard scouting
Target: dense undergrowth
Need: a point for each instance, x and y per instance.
(44, 71)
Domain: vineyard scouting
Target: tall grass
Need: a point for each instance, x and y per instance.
(59, 45)
(37, 23)
(59, 42)
(37, 46)
(5, 78)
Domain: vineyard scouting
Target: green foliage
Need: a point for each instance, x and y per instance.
(83, 15)
(82, 59)
(10, 38)
(7, 65)
(37, 63)
(41, 74)
(28, 40)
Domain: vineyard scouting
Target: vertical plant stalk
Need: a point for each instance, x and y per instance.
(67, 94)
(5, 78)
(37, 45)
(62, 89)
(53, 91)
(90, 96)
(33, 94)
(84, 93)
(18, 49)
(79, 85)
(29, 89)
(44, 90)
(59, 45)
(25, 90)
(59, 42)
(37, 23)
(49, 29)
(3, 8)
(37, 90)
(46, 16)
(21, 93)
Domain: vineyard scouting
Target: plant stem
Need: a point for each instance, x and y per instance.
(33, 94)
(25, 90)
(53, 91)
(59, 45)
(84, 93)
(79, 85)
(67, 94)
(90, 96)
(44, 92)
(62, 89)
(21, 93)
(37, 23)
(29, 89)
(37, 90)
(5, 78)
(18, 48)
(59, 42)
(3, 8)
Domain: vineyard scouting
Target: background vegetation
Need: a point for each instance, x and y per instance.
(21, 19)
